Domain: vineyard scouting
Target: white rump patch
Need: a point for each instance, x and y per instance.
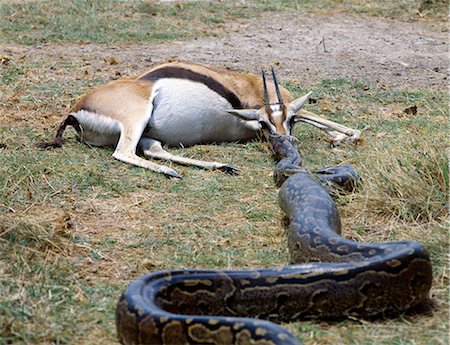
(98, 130)
(97, 123)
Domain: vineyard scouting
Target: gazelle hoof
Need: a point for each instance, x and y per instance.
(231, 169)
(172, 173)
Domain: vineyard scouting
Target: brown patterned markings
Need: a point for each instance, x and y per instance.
(372, 251)
(173, 333)
(245, 338)
(245, 282)
(203, 335)
(271, 280)
(238, 325)
(421, 280)
(282, 336)
(126, 323)
(334, 240)
(329, 301)
(343, 248)
(317, 231)
(322, 253)
(260, 331)
(213, 322)
(283, 300)
(247, 301)
(393, 291)
(185, 302)
(394, 263)
(194, 282)
(149, 331)
(341, 272)
(180, 293)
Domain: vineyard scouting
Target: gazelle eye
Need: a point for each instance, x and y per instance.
(265, 126)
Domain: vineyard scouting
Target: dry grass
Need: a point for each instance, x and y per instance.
(77, 226)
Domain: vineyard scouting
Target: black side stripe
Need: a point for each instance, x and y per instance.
(182, 73)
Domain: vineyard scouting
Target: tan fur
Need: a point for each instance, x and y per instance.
(122, 99)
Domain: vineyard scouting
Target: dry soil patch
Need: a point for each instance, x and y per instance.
(306, 47)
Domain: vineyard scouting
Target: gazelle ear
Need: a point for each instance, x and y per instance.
(245, 114)
(298, 103)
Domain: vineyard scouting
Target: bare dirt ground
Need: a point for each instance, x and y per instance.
(308, 47)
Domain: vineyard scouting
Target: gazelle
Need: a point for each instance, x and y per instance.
(183, 104)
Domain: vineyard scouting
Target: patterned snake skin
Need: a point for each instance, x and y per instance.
(341, 277)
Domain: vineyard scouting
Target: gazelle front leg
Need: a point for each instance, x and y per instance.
(126, 152)
(336, 130)
(337, 136)
(152, 148)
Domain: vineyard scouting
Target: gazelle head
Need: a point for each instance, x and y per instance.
(273, 118)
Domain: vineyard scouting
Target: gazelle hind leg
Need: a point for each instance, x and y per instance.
(153, 148)
(336, 135)
(337, 131)
(126, 152)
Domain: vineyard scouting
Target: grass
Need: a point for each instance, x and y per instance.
(114, 21)
(77, 226)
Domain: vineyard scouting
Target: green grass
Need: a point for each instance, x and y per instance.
(109, 21)
(76, 226)
(113, 21)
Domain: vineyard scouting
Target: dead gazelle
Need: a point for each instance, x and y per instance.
(183, 104)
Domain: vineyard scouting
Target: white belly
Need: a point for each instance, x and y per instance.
(188, 113)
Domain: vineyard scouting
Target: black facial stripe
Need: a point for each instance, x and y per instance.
(267, 125)
(183, 73)
(290, 123)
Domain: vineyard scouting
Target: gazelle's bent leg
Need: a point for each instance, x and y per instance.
(337, 136)
(153, 148)
(126, 152)
(131, 128)
(330, 127)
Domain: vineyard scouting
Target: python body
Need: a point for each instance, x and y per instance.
(225, 307)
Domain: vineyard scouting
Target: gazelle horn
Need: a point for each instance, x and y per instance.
(266, 95)
(277, 88)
